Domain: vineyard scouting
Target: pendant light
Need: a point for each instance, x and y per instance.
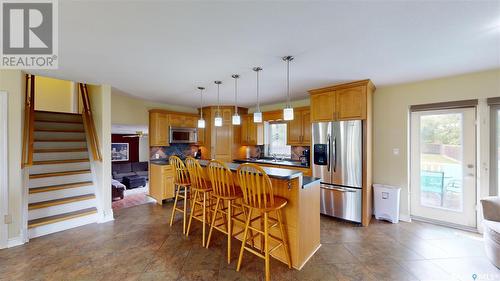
(236, 118)
(218, 117)
(288, 110)
(257, 115)
(201, 121)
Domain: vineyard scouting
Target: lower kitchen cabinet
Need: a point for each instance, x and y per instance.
(161, 182)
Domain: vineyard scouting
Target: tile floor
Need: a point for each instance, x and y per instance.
(139, 245)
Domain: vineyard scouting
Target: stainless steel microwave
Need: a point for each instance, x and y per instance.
(183, 135)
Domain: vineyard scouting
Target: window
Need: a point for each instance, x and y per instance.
(275, 140)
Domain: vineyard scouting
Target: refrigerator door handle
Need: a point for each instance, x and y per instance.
(328, 152)
(334, 154)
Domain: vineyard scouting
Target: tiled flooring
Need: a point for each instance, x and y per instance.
(139, 245)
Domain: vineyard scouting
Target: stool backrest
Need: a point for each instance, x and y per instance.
(181, 172)
(195, 173)
(256, 186)
(221, 178)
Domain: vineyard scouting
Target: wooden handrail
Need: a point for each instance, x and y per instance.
(29, 121)
(89, 122)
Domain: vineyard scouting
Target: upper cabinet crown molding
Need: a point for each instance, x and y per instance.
(341, 102)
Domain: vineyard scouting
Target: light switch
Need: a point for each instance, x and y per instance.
(157, 156)
(395, 151)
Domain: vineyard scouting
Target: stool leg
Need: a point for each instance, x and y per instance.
(243, 242)
(284, 238)
(266, 246)
(193, 209)
(204, 217)
(229, 230)
(175, 206)
(214, 215)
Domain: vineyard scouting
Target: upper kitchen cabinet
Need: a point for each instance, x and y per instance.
(158, 129)
(322, 106)
(341, 102)
(299, 129)
(251, 133)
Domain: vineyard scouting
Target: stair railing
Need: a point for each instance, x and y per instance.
(29, 121)
(88, 121)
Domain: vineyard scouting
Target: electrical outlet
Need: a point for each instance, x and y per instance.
(7, 219)
(157, 155)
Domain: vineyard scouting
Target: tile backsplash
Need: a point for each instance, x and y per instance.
(181, 150)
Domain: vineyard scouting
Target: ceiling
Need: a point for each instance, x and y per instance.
(161, 51)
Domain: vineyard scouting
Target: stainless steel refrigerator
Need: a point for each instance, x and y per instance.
(337, 160)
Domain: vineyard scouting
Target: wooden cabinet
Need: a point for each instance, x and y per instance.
(161, 182)
(299, 129)
(341, 102)
(181, 120)
(158, 129)
(323, 106)
(224, 137)
(351, 103)
(251, 133)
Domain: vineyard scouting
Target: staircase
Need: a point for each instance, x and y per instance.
(61, 188)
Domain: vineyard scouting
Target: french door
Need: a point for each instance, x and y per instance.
(443, 171)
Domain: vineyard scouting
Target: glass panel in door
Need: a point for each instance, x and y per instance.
(443, 165)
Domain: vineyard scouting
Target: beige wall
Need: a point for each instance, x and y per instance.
(390, 118)
(12, 82)
(54, 95)
(127, 110)
(100, 98)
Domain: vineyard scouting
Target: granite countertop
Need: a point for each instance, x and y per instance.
(291, 163)
(278, 173)
(159, 161)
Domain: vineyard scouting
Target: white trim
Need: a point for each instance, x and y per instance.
(4, 173)
(404, 217)
(15, 241)
(106, 216)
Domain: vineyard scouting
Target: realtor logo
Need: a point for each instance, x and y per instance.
(29, 34)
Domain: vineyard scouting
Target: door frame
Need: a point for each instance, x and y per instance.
(476, 161)
(494, 189)
(4, 187)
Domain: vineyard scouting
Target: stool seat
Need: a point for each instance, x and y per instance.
(279, 202)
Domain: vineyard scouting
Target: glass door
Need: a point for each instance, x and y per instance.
(443, 172)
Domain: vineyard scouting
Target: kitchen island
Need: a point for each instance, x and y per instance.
(301, 214)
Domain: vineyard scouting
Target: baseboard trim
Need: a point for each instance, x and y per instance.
(106, 216)
(405, 218)
(15, 241)
(440, 223)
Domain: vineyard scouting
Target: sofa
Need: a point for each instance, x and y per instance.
(121, 170)
(491, 223)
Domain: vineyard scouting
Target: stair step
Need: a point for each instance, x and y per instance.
(55, 150)
(58, 116)
(50, 162)
(58, 121)
(59, 131)
(57, 112)
(58, 187)
(61, 217)
(58, 174)
(56, 202)
(60, 140)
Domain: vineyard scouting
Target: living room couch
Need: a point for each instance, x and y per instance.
(121, 170)
(491, 223)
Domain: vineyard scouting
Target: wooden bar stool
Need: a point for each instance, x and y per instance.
(258, 196)
(201, 197)
(229, 197)
(181, 183)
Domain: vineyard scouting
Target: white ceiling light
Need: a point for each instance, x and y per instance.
(201, 121)
(288, 110)
(257, 115)
(236, 117)
(218, 117)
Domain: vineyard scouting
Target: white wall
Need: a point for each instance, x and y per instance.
(143, 149)
(100, 98)
(4, 173)
(12, 81)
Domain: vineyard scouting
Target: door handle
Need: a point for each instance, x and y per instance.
(335, 154)
(328, 153)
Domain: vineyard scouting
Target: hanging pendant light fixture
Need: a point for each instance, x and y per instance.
(257, 115)
(218, 117)
(288, 110)
(201, 121)
(236, 118)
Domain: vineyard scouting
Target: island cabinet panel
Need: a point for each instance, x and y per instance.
(299, 129)
(301, 217)
(351, 103)
(323, 106)
(158, 129)
(161, 182)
